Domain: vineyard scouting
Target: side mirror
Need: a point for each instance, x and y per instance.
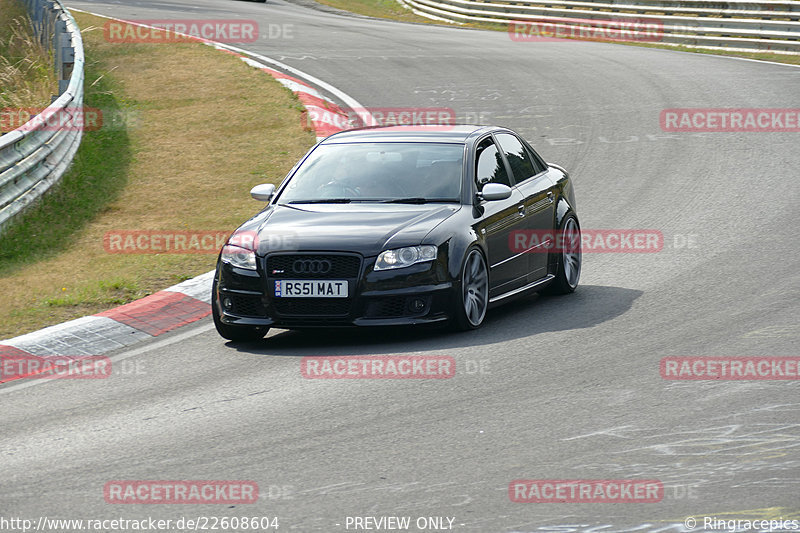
(263, 192)
(494, 191)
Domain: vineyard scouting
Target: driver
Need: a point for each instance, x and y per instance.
(338, 184)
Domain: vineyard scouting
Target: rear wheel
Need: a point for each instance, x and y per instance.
(234, 333)
(473, 298)
(568, 267)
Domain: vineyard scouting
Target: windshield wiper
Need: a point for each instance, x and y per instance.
(323, 201)
(416, 200)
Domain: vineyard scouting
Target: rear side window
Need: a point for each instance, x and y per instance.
(523, 165)
(489, 165)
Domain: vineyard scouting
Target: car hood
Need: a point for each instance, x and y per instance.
(364, 228)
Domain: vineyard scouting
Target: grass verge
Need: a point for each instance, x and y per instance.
(187, 131)
(27, 78)
(391, 9)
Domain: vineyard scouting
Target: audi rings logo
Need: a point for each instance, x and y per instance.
(312, 266)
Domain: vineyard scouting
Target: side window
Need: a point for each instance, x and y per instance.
(489, 165)
(522, 164)
(538, 162)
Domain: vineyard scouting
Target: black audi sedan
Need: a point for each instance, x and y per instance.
(398, 226)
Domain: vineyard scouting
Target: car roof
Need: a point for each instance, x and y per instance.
(428, 133)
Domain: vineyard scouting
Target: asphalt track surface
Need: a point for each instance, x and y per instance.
(569, 387)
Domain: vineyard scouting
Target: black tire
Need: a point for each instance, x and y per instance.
(472, 300)
(568, 259)
(234, 333)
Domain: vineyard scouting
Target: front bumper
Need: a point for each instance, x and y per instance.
(419, 294)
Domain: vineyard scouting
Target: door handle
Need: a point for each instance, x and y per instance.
(521, 210)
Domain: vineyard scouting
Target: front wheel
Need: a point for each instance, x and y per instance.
(473, 298)
(568, 262)
(234, 333)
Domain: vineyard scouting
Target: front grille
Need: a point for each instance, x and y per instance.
(312, 306)
(313, 266)
(246, 305)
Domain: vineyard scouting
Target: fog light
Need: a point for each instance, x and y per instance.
(227, 303)
(417, 305)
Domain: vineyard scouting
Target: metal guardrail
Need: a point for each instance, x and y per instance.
(37, 154)
(738, 25)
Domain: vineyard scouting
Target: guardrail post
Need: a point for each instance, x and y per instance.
(64, 55)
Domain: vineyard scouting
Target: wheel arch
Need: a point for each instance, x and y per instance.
(459, 245)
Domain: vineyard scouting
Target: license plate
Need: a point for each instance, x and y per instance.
(296, 288)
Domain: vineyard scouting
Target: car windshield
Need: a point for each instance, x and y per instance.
(378, 172)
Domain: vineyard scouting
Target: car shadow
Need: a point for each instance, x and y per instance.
(589, 306)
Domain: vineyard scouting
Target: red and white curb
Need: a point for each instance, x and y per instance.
(122, 326)
(190, 300)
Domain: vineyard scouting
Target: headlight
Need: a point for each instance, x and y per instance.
(403, 257)
(239, 257)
